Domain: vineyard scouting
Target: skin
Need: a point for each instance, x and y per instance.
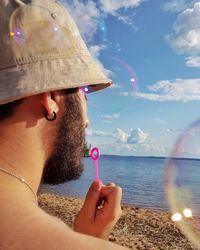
(26, 141)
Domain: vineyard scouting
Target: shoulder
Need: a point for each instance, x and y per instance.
(34, 229)
(44, 231)
(48, 232)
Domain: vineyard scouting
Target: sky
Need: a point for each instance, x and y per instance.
(151, 51)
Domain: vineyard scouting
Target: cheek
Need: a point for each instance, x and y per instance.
(85, 116)
(84, 111)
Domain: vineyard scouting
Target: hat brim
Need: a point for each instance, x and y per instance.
(51, 74)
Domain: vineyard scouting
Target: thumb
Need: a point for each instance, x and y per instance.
(91, 199)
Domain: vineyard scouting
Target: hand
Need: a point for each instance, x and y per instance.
(101, 210)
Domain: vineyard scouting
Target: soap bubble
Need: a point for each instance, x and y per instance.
(182, 182)
(44, 35)
(121, 95)
(40, 34)
(130, 79)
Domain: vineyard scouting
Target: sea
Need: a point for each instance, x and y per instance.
(141, 178)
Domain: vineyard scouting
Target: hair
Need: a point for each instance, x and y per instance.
(71, 91)
(8, 109)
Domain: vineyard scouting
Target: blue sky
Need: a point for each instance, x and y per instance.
(156, 43)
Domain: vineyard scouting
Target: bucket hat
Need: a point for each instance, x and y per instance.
(41, 50)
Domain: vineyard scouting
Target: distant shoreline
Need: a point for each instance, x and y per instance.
(150, 157)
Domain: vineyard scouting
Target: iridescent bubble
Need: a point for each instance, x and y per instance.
(182, 182)
(28, 28)
(129, 75)
(122, 94)
(42, 32)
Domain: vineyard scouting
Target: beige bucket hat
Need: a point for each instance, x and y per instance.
(42, 50)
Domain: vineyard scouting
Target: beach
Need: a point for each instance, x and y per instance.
(138, 228)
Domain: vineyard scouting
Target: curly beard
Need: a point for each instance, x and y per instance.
(64, 164)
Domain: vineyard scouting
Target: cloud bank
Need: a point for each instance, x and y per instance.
(182, 90)
(178, 5)
(136, 136)
(185, 36)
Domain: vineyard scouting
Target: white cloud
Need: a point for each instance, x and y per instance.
(112, 6)
(124, 93)
(99, 133)
(107, 121)
(193, 61)
(137, 136)
(90, 15)
(178, 5)
(184, 90)
(86, 16)
(112, 116)
(158, 120)
(96, 49)
(185, 38)
(118, 46)
(95, 52)
(154, 149)
(169, 130)
(127, 20)
(115, 86)
(118, 148)
(134, 149)
(121, 136)
(136, 142)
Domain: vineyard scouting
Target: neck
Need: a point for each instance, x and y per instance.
(21, 179)
(21, 154)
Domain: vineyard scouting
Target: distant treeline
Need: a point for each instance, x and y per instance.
(86, 150)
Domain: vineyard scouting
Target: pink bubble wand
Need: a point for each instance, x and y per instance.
(95, 155)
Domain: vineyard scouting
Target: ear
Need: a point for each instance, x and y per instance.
(51, 101)
(17, 3)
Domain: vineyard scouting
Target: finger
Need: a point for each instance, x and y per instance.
(91, 199)
(113, 197)
(109, 189)
(102, 198)
(110, 184)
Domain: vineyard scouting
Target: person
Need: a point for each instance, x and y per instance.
(45, 70)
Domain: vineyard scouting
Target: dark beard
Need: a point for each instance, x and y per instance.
(65, 164)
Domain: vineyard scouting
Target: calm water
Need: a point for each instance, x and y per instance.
(141, 179)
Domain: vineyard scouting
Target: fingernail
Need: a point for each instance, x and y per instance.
(96, 186)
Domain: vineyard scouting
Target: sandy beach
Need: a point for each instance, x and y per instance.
(138, 228)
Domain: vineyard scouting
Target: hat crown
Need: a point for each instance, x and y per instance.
(39, 30)
(41, 50)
